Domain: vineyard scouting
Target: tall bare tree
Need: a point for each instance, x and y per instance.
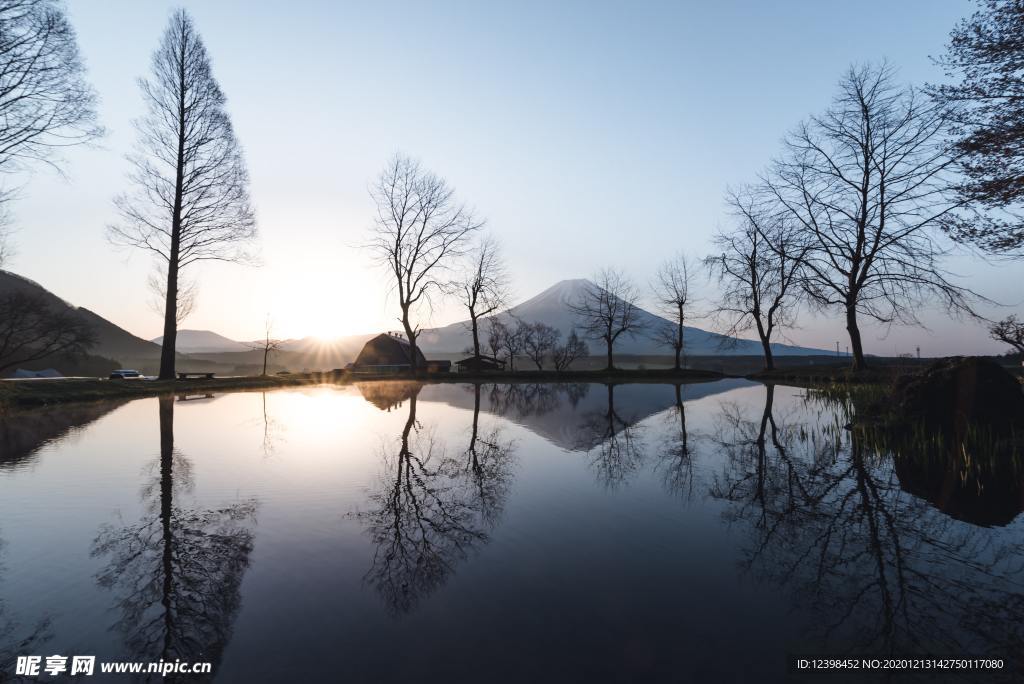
(45, 102)
(191, 197)
(419, 231)
(1010, 331)
(986, 54)
(483, 287)
(758, 267)
(673, 286)
(539, 342)
(607, 309)
(871, 182)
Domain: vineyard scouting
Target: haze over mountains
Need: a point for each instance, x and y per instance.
(203, 341)
(207, 350)
(552, 307)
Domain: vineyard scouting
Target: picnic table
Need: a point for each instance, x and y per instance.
(199, 376)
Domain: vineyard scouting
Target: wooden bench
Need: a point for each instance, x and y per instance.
(198, 376)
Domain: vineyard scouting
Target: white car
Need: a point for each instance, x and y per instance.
(126, 374)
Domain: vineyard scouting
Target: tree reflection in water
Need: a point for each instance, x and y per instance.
(612, 441)
(177, 572)
(675, 458)
(487, 465)
(430, 511)
(14, 640)
(877, 570)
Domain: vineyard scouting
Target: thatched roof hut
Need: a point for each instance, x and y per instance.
(387, 353)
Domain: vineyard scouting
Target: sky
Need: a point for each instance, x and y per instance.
(589, 134)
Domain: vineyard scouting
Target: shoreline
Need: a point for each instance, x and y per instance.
(19, 394)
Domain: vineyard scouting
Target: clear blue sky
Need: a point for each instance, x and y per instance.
(588, 134)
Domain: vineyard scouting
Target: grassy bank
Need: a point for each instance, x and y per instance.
(832, 374)
(27, 393)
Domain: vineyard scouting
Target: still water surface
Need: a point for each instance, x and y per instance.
(395, 532)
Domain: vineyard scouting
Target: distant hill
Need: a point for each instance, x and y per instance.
(113, 342)
(203, 341)
(552, 306)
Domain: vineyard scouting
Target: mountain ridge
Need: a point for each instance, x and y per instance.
(553, 307)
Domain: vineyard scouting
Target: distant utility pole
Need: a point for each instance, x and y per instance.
(837, 348)
(919, 353)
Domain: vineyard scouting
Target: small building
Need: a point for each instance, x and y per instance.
(439, 366)
(476, 364)
(387, 353)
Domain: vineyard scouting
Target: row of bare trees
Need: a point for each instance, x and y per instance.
(852, 217)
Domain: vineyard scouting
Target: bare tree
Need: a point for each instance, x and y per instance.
(419, 230)
(496, 331)
(574, 348)
(483, 288)
(45, 102)
(757, 266)
(1010, 331)
(607, 309)
(673, 285)
(539, 342)
(987, 106)
(513, 342)
(191, 197)
(32, 329)
(269, 344)
(871, 183)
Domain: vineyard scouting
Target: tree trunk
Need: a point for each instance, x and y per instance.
(171, 306)
(170, 314)
(266, 351)
(769, 358)
(766, 345)
(476, 335)
(475, 428)
(855, 343)
(410, 335)
(679, 340)
(610, 366)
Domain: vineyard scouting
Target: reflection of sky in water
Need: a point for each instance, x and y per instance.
(575, 532)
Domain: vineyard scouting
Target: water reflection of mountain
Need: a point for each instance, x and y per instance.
(23, 433)
(557, 412)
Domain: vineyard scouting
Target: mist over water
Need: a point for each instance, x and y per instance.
(406, 532)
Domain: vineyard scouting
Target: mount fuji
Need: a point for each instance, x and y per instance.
(553, 307)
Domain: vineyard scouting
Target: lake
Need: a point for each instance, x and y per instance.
(385, 532)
